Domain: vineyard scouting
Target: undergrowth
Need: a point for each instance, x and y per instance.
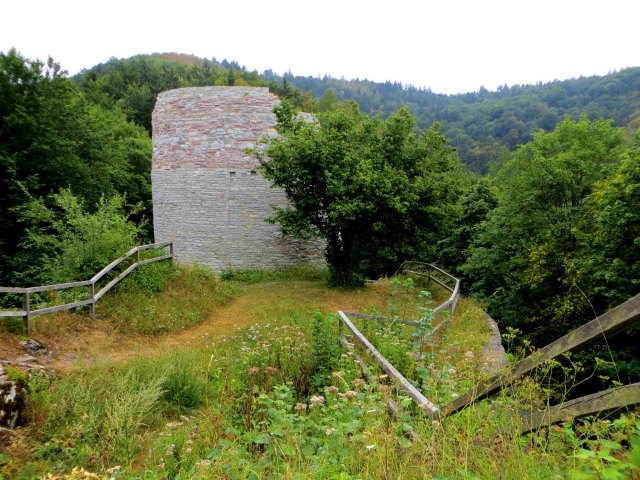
(279, 399)
(191, 294)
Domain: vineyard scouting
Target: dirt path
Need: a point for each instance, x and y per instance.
(80, 347)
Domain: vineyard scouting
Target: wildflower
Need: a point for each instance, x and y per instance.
(316, 401)
(204, 463)
(454, 395)
(254, 370)
(300, 407)
(370, 447)
(452, 371)
(350, 394)
(435, 423)
(338, 374)
(358, 382)
(469, 355)
(383, 376)
(332, 389)
(329, 431)
(272, 370)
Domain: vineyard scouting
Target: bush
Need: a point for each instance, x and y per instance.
(75, 243)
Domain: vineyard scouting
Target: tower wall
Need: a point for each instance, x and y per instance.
(208, 197)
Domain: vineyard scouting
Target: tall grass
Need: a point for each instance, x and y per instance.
(277, 399)
(162, 298)
(300, 272)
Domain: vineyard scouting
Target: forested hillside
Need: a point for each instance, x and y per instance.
(483, 126)
(479, 124)
(549, 239)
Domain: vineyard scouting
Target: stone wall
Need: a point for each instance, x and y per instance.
(208, 197)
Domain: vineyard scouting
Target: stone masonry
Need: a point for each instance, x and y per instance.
(208, 197)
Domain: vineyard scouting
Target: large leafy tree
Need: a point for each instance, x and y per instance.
(374, 190)
(52, 138)
(521, 258)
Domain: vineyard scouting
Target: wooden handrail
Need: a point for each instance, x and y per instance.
(417, 396)
(605, 326)
(610, 323)
(94, 296)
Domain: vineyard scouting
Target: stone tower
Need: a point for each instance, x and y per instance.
(208, 197)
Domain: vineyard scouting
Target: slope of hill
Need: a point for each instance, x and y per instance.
(479, 124)
(482, 125)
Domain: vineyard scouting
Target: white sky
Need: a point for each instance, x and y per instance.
(450, 46)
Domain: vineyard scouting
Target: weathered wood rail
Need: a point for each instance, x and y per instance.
(605, 326)
(440, 277)
(27, 312)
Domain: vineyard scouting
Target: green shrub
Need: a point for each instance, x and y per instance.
(184, 385)
(76, 243)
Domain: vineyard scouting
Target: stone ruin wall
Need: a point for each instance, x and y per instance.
(208, 197)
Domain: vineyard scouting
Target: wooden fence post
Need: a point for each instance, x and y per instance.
(92, 297)
(25, 318)
(171, 252)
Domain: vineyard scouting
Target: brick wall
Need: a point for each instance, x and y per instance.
(208, 197)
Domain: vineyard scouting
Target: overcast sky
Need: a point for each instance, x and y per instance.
(450, 46)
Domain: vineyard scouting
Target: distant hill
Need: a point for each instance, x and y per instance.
(479, 124)
(482, 125)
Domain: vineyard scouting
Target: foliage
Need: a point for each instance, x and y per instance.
(373, 190)
(132, 85)
(524, 245)
(52, 138)
(482, 124)
(186, 296)
(245, 406)
(475, 205)
(300, 272)
(74, 243)
(546, 258)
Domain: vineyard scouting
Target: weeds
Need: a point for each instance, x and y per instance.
(279, 399)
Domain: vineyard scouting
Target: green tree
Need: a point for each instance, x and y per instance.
(475, 204)
(521, 257)
(373, 190)
(73, 243)
(52, 138)
(328, 101)
(609, 263)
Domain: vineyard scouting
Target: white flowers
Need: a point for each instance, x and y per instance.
(316, 401)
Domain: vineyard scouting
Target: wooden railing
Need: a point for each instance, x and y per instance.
(94, 295)
(442, 278)
(437, 275)
(612, 322)
(607, 325)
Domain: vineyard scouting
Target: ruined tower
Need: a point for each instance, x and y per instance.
(208, 197)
